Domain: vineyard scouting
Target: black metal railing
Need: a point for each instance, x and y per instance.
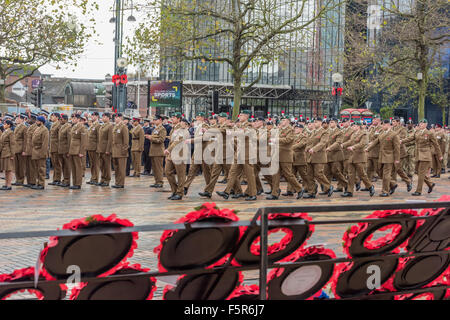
(261, 221)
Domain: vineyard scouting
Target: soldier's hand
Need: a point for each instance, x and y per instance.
(107, 153)
(366, 150)
(311, 151)
(350, 148)
(441, 158)
(81, 155)
(397, 161)
(166, 152)
(23, 153)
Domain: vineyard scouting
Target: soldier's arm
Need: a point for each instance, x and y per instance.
(12, 144)
(322, 143)
(141, 140)
(45, 140)
(411, 138)
(362, 144)
(337, 144)
(109, 137)
(374, 143)
(83, 141)
(396, 142)
(289, 138)
(160, 137)
(437, 148)
(125, 137)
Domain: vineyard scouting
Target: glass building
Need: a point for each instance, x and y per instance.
(296, 82)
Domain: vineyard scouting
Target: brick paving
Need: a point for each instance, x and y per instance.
(30, 210)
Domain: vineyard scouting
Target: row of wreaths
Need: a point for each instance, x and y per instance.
(103, 255)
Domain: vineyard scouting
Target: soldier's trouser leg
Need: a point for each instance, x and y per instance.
(286, 170)
(105, 166)
(34, 171)
(372, 166)
(351, 177)
(41, 167)
(423, 170)
(249, 173)
(336, 168)
(56, 162)
(136, 158)
(65, 168)
(83, 165)
(388, 183)
(233, 182)
(436, 165)
(327, 171)
(179, 170)
(215, 173)
(193, 171)
(120, 165)
(29, 171)
(94, 164)
(361, 171)
(319, 176)
(76, 165)
(346, 165)
(20, 165)
(206, 169)
(399, 170)
(257, 169)
(311, 185)
(157, 165)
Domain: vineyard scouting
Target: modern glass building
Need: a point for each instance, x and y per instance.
(298, 81)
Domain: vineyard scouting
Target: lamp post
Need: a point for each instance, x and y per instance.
(337, 91)
(118, 91)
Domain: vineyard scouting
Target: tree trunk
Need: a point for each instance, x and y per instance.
(422, 95)
(444, 122)
(2, 93)
(237, 97)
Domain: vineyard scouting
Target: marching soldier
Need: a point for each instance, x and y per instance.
(137, 146)
(227, 159)
(77, 151)
(358, 159)
(441, 138)
(54, 155)
(300, 166)
(286, 158)
(388, 143)
(104, 149)
(424, 140)
(335, 155)
(63, 150)
(373, 167)
(20, 162)
(317, 158)
(156, 154)
(176, 170)
(93, 135)
(435, 163)
(398, 167)
(409, 165)
(39, 154)
(30, 169)
(7, 152)
(246, 167)
(200, 127)
(120, 146)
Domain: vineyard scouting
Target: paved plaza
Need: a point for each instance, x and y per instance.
(29, 210)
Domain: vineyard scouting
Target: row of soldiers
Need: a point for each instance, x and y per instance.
(317, 152)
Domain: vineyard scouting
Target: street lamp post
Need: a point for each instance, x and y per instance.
(337, 79)
(118, 91)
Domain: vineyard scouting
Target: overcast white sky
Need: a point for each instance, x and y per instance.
(98, 59)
